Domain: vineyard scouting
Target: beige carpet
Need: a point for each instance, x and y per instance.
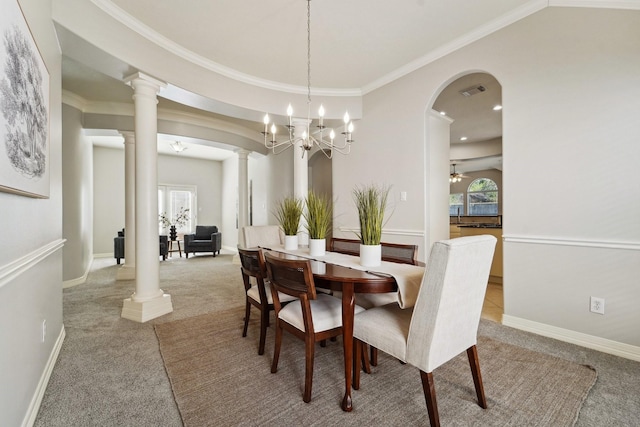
(218, 379)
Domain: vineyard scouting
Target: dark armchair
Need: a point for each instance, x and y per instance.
(207, 238)
(118, 246)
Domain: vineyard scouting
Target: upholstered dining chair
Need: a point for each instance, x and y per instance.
(443, 322)
(262, 235)
(257, 294)
(317, 317)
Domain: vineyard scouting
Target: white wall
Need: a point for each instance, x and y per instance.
(77, 180)
(31, 257)
(570, 125)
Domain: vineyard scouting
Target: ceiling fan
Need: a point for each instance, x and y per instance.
(454, 176)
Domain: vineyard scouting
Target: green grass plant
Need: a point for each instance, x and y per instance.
(288, 212)
(371, 201)
(318, 215)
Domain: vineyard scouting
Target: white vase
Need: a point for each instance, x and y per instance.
(317, 247)
(370, 255)
(291, 243)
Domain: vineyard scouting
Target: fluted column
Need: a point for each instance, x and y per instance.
(300, 173)
(243, 192)
(128, 270)
(148, 301)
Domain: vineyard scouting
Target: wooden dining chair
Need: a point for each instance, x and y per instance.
(258, 293)
(316, 318)
(444, 321)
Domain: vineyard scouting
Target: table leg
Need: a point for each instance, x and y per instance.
(348, 305)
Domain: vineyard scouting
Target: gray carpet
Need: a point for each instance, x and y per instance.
(219, 379)
(110, 371)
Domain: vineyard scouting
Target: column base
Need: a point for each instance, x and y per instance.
(126, 272)
(142, 311)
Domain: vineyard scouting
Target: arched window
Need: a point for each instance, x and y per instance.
(482, 197)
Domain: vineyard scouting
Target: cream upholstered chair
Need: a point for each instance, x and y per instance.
(265, 236)
(259, 294)
(443, 322)
(317, 317)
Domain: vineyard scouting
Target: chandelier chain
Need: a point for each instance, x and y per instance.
(309, 51)
(308, 138)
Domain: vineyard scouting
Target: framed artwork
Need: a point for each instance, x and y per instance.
(24, 108)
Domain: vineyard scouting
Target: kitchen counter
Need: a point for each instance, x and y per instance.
(476, 229)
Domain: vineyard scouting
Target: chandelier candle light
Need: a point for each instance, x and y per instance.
(308, 139)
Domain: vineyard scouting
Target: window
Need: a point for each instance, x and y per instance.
(456, 204)
(482, 197)
(172, 198)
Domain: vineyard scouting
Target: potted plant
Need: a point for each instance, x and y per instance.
(371, 201)
(288, 212)
(318, 216)
(180, 219)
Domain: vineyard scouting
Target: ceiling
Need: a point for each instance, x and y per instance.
(354, 46)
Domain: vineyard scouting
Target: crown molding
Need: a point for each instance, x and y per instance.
(604, 4)
(145, 31)
(73, 100)
(483, 31)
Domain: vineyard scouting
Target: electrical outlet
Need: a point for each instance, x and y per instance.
(597, 305)
(44, 329)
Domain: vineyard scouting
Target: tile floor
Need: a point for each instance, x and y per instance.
(493, 303)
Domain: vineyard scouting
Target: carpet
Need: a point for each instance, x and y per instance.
(218, 378)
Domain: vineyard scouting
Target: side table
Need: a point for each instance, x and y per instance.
(171, 249)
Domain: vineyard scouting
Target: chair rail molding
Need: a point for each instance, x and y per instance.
(559, 241)
(15, 268)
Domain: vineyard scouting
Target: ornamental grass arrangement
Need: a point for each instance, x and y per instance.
(288, 212)
(371, 201)
(318, 215)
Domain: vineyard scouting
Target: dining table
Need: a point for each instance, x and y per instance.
(339, 272)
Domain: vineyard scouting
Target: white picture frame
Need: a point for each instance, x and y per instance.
(24, 108)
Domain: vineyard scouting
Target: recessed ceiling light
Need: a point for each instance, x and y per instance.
(497, 108)
(464, 138)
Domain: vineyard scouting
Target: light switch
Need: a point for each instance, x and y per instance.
(403, 196)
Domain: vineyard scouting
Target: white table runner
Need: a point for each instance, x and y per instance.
(407, 276)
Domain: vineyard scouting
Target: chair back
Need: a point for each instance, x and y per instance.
(253, 265)
(262, 236)
(291, 276)
(204, 232)
(399, 253)
(345, 246)
(392, 252)
(447, 311)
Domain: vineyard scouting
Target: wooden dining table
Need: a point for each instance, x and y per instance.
(348, 281)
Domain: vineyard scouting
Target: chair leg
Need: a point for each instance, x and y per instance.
(430, 397)
(365, 360)
(264, 322)
(472, 353)
(309, 345)
(374, 356)
(357, 359)
(323, 343)
(276, 348)
(247, 313)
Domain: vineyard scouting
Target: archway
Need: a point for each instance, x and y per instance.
(473, 103)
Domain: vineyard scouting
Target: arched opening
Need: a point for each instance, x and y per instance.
(473, 140)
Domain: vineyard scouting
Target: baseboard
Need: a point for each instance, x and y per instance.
(104, 255)
(589, 341)
(79, 280)
(36, 400)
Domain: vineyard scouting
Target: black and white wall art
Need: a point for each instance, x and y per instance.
(24, 108)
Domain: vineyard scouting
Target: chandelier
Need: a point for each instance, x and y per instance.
(309, 138)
